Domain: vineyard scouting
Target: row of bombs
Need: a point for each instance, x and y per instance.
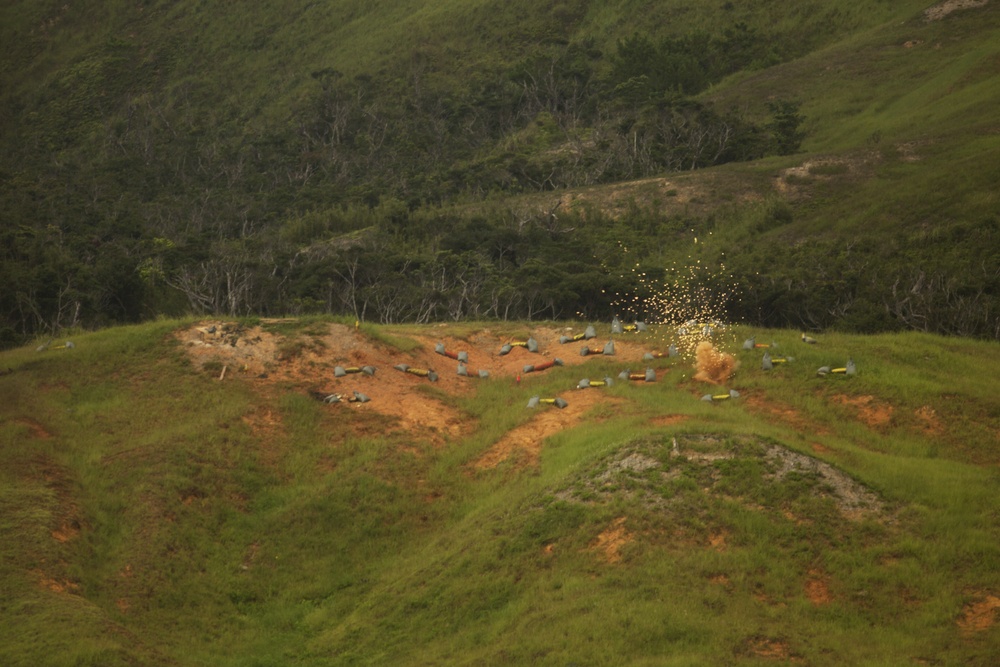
(616, 328)
(608, 350)
(769, 361)
(586, 383)
(648, 376)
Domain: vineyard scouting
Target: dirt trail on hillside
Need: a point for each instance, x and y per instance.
(525, 441)
(306, 361)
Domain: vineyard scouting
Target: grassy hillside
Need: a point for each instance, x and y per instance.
(174, 494)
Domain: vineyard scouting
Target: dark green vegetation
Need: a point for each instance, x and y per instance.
(420, 161)
(153, 515)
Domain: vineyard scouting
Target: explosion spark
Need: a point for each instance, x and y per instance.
(689, 300)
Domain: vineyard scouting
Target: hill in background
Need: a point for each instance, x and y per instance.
(838, 164)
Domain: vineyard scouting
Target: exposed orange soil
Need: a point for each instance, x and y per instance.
(57, 585)
(668, 420)
(930, 423)
(764, 647)
(413, 404)
(818, 588)
(870, 411)
(785, 414)
(718, 540)
(611, 540)
(66, 522)
(37, 430)
(979, 615)
(720, 579)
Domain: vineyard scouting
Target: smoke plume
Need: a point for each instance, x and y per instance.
(711, 365)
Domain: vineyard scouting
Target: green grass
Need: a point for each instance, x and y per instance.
(132, 536)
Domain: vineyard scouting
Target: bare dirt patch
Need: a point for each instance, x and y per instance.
(69, 519)
(718, 540)
(930, 423)
(820, 449)
(616, 199)
(818, 588)
(784, 413)
(36, 430)
(62, 586)
(611, 540)
(668, 420)
(768, 648)
(979, 615)
(794, 182)
(720, 579)
(870, 410)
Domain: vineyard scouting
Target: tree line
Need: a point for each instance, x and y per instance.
(129, 193)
